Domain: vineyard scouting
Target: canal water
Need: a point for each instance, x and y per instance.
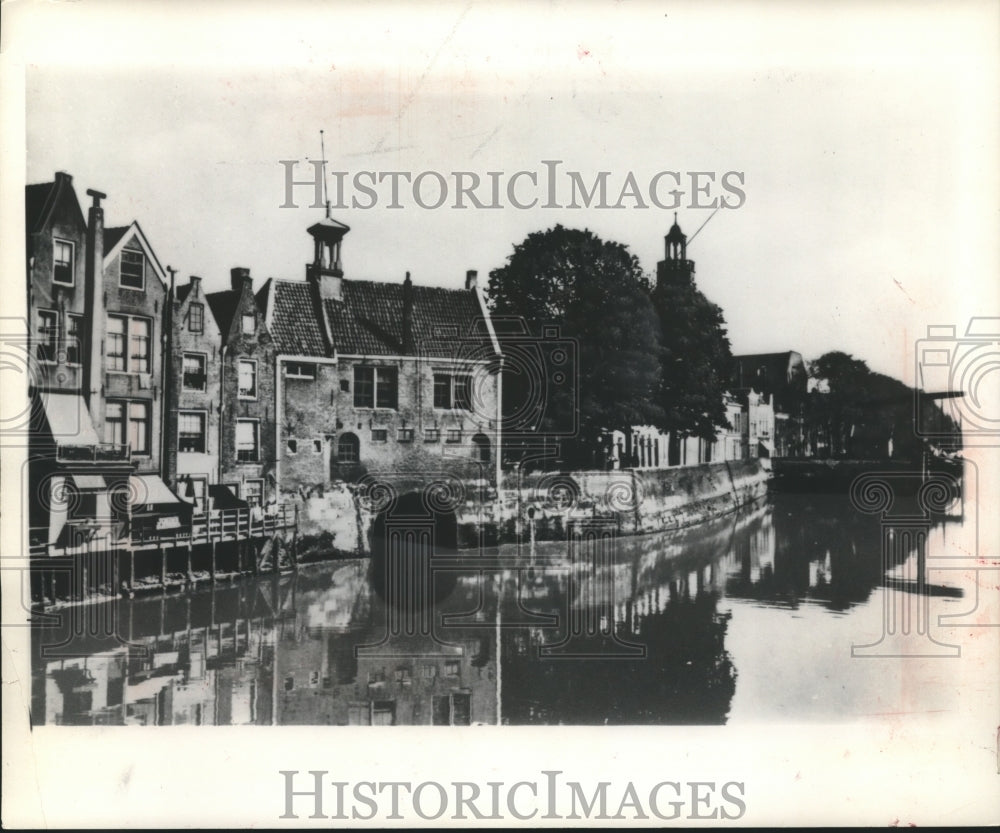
(799, 608)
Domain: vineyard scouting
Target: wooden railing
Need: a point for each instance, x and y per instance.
(218, 525)
(223, 525)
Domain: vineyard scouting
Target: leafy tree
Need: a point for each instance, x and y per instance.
(596, 293)
(861, 410)
(696, 359)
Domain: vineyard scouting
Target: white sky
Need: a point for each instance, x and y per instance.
(867, 135)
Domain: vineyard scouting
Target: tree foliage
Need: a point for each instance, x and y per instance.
(859, 411)
(696, 359)
(597, 295)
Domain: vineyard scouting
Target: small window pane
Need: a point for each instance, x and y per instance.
(248, 379)
(194, 371)
(364, 387)
(442, 390)
(62, 262)
(196, 318)
(133, 269)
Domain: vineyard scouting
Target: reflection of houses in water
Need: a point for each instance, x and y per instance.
(201, 660)
(213, 674)
(276, 651)
(666, 594)
(335, 670)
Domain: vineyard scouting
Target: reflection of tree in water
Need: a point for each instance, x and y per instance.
(824, 550)
(686, 677)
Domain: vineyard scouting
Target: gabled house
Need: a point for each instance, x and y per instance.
(247, 456)
(78, 478)
(782, 380)
(375, 377)
(192, 384)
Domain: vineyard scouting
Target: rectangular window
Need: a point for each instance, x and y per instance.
(318, 446)
(292, 446)
(191, 432)
(451, 668)
(454, 435)
(139, 345)
(376, 387)
(48, 335)
(386, 387)
(248, 379)
(380, 435)
(74, 339)
(129, 344)
(138, 427)
(196, 318)
(114, 423)
(442, 390)
(453, 391)
(133, 269)
(253, 492)
(463, 392)
(364, 387)
(115, 343)
(62, 262)
(194, 371)
(247, 441)
(248, 325)
(432, 435)
(300, 370)
(405, 435)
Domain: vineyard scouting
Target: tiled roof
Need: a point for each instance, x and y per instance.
(112, 236)
(369, 320)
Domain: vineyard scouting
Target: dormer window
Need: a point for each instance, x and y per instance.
(62, 262)
(249, 325)
(133, 270)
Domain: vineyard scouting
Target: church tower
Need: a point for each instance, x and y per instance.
(675, 267)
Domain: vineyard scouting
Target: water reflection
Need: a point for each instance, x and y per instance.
(652, 615)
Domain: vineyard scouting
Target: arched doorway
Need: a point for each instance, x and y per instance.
(481, 448)
(345, 461)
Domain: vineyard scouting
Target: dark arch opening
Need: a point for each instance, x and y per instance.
(481, 443)
(408, 539)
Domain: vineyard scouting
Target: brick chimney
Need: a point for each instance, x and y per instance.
(408, 346)
(239, 276)
(93, 369)
(471, 279)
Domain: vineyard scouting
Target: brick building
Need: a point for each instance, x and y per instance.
(380, 377)
(247, 447)
(192, 379)
(128, 386)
